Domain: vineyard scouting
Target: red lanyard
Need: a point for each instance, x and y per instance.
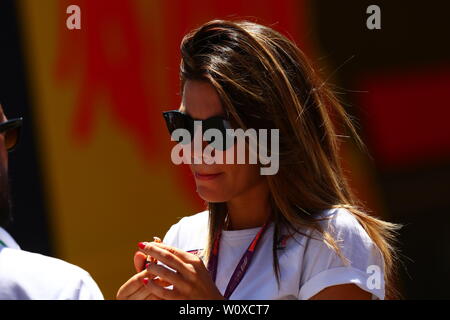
(242, 266)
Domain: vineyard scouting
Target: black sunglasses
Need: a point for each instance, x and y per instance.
(178, 120)
(11, 131)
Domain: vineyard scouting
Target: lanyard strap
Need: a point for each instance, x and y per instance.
(242, 266)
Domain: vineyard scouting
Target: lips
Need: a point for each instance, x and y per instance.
(206, 176)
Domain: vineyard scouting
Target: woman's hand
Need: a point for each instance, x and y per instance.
(135, 288)
(190, 278)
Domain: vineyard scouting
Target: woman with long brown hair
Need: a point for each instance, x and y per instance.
(296, 234)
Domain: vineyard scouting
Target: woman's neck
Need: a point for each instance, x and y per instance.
(249, 210)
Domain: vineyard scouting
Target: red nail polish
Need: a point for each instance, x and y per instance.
(146, 265)
(142, 245)
(145, 281)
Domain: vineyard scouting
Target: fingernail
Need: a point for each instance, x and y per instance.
(145, 281)
(146, 265)
(142, 245)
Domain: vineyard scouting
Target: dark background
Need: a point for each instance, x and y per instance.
(412, 46)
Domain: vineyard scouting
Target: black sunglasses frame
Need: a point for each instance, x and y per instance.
(187, 122)
(11, 124)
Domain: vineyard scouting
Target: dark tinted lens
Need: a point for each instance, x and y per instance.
(177, 120)
(11, 138)
(174, 120)
(221, 125)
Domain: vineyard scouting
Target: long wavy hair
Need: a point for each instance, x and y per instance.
(265, 81)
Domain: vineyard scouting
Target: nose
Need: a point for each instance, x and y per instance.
(197, 145)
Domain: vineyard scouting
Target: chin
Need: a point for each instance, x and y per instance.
(210, 195)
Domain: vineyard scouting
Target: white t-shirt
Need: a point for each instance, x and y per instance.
(31, 276)
(307, 265)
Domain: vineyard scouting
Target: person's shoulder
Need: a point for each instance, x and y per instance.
(324, 265)
(38, 276)
(340, 216)
(348, 234)
(40, 261)
(193, 222)
(342, 222)
(196, 219)
(339, 222)
(189, 232)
